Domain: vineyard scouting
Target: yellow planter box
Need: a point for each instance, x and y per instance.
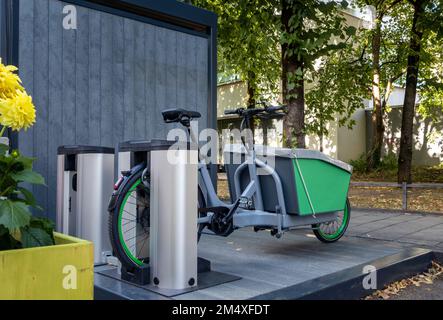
(61, 272)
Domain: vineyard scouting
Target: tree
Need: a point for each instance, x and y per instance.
(248, 43)
(426, 21)
(386, 44)
(336, 90)
(431, 79)
(250, 34)
(308, 29)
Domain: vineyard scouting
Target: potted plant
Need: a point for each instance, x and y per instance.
(35, 262)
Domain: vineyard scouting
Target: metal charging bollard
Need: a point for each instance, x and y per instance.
(85, 179)
(173, 212)
(131, 153)
(174, 203)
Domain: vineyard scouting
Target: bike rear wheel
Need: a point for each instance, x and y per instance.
(129, 224)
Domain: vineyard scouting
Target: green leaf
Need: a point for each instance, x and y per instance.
(26, 161)
(3, 230)
(36, 237)
(3, 149)
(351, 31)
(14, 215)
(7, 242)
(29, 176)
(44, 224)
(28, 197)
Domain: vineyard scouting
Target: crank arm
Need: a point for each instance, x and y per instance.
(205, 220)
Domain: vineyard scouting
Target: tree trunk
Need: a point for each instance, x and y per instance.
(251, 103)
(407, 123)
(251, 91)
(293, 95)
(378, 128)
(321, 138)
(321, 135)
(265, 123)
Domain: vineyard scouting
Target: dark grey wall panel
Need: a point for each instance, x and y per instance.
(26, 63)
(41, 93)
(139, 82)
(118, 47)
(104, 83)
(55, 96)
(3, 33)
(159, 79)
(106, 80)
(82, 87)
(150, 80)
(128, 77)
(95, 78)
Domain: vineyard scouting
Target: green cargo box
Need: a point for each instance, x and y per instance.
(305, 174)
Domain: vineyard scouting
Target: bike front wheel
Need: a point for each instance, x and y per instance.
(332, 231)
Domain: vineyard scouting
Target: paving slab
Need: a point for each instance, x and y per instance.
(405, 228)
(266, 264)
(378, 225)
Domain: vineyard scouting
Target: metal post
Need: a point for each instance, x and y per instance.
(405, 196)
(173, 233)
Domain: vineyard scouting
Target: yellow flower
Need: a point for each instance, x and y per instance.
(9, 81)
(17, 112)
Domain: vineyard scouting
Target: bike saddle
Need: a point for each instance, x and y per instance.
(177, 115)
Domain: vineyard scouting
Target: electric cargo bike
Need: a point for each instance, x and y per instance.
(272, 189)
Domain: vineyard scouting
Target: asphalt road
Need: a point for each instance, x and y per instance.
(424, 292)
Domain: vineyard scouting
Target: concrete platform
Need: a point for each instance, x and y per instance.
(298, 266)
(408, 229)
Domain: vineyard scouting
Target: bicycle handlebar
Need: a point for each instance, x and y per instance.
(251, 112)
(232, 112)
(274, 109)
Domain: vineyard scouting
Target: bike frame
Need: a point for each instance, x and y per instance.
(278, 220)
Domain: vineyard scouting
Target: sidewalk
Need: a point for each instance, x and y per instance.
(408, 229)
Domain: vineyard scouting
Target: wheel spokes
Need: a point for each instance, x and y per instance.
(135, 229)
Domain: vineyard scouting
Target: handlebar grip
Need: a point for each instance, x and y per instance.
(232, 112)
(275, 109)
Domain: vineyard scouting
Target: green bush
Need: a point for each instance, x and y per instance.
(389, 162)
(360, 165)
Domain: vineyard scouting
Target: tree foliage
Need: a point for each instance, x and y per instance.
(431, 78)
(325, 66)
(315, 29)
(337, 88)
(248, 42)
(427, 22)
(255, 41)
(311, 30)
